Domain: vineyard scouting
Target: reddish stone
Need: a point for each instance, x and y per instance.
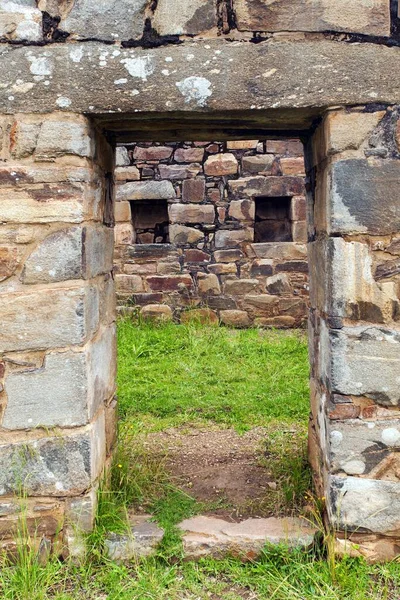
(179, 171)
(293, 165)
(293, 265)
(344, 411)
(193, 190)
(143, 299)
(298, 209)
(152, 153)
(212, 149)
(169, 283)
(292, 147)
(188, 155)
(221, 164)
(2, 369)
(197, 256)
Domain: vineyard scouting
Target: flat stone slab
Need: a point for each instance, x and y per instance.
(141, 542)
(209, 536)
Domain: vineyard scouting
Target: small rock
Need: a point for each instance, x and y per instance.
(139, 543)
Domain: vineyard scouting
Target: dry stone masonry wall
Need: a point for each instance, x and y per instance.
(78, 76)
(187, 219)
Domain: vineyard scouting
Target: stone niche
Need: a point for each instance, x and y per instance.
(231, 217)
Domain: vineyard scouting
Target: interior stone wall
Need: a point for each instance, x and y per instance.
(211, 268)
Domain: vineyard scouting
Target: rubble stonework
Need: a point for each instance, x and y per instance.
(209, 190)
(76, 78)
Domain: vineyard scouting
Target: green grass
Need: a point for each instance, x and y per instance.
(171, 376)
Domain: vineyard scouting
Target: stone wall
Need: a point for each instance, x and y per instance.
(57, 309)
(187, 219)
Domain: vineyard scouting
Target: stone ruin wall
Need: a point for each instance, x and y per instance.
(230, 222)
(76, 75)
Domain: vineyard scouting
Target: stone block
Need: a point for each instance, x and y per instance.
(114, 20)
(361, 200)
(262, 266)
(233, 238)
(217, 165)
(285, 147)
(168, 267)
(193, 190)
(156, 312)
(150, 252)
(298, 209)
(172, 17)
(47, 203)
(196, 256)
(122, 158)
(346, 284)
(175, 172)
(181, 235)
(242, 144)
(280, 251)
(364, 505)
(234, 318)
(73, 253)
(208, 283)
(293, 166)
(347, 130)
(212, 537)
(127, 173)
(141, 541)
(124, 234)
(249, 187)
(10, 258)
(242, 210)
(60, 465)
(191, 213)
(280, 322)
(278, 284)
(80, 512)
(263, 305)
(203, 316)
(222, 268)
(57, 138)
(48, 318)
(145, 190)
(323, 15)
(170, 283)
(259, 163)
(123, 211)
(227, 256)
(20, 21)
(365, 361)
(239, 287)
(128, 284)
(24, 136)
(189, 155)
(111, 424)
(152, 153)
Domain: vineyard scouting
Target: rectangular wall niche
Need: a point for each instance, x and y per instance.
(272, 219)
(150, 221)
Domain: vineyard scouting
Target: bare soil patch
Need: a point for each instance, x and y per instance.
(218, 467)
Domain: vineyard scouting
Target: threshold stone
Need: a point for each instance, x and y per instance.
(209, 536)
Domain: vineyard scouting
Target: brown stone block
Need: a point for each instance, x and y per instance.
(222, 268)
(242, 145)
(293, 166)
(242, 210)
(123, 234)
(262, 266)
(168, 267)
(174, 172)
(248, 187)
(149, 252)
(193, 190)
(340, 412)
(180, 234)
(123, 211)
(196, 256)
(262, 305)
(293, 307)
(127, 174)
(191, 213)
(280, 322)
(189, 155)
(292, 265)
(227, 256)
(259, 163)
(283, 147)
(232, 238)
(234, 318)
(221, 164)
(156, 312)
(152, 153)
(298, 209)
(170, 283)
(208, 283)
(10, 258)
(299, 231)
(147, 298)
(128, 284)
(239, 287)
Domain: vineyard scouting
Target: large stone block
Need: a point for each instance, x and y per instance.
(66, 391)
(191, 213)
(342, 283)
(179, 171)
(363, 197)
(233, 238)
(249, 187)
(180, 234)
(152, 153)
(57, 138)
(112, 20)
(174, 17)
(20, 21)
(146, 190)
(48, 318)
(221, 164)
(59, 465)
(279, 251)
(363, 447)
(372, 18)
(364, 505)
(365, 361)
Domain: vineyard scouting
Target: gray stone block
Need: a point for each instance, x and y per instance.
(59, 465)
(105, 20)
(141, 541)
(146, 190)
(365, 361)
(174, 17)
(363, 197)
